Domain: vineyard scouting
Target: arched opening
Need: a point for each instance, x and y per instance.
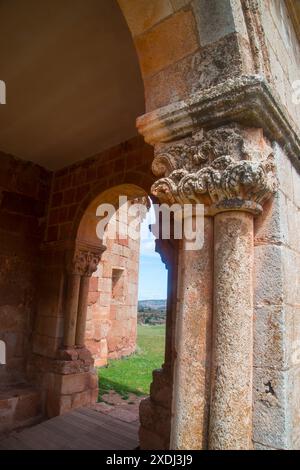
(80, 90)
(126, 320)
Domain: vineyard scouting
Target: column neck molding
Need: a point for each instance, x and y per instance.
(229, 168)
(248, 100)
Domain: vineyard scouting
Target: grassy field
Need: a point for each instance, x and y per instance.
(133, 374)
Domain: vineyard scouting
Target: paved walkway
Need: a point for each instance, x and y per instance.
(102, 427)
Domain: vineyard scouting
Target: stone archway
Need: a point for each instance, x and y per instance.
(165, 35)
(112, 299)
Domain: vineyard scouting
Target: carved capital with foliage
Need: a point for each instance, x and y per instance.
(227, 168)
(84, 261)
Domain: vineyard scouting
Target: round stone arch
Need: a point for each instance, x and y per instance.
(109, 322)
(166, 38)
(86, 221)
(84, 255)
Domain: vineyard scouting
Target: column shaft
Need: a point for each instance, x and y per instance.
(82, 310)
(71, 309)
(231, 393)
(193, 345)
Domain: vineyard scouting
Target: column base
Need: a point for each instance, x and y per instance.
(70, 391)
(67, 382)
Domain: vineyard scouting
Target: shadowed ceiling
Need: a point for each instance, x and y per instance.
(73, 84)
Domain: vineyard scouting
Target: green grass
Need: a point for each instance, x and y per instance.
(133, 374)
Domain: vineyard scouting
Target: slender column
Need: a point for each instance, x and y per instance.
(231, 395)
(82, 310)
(73, 287)
(193, 345)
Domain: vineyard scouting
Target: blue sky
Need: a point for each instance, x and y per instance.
(152, 273)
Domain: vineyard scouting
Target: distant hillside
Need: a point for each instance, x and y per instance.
(152, 312)
(152, 304)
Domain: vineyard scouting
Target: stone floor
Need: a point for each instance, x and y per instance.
(115, 406)
(109, 425)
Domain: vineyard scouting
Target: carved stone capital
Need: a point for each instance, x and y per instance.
(84, 260)
(227, 168)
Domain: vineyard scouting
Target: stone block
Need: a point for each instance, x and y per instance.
(272, 225)
(271, 426)
(93, 286)
(284, 171)
(179, 36)
(268, 275)
(142, 14)
(218, 19)
(273, 336)
(74, 383)
(291, 276)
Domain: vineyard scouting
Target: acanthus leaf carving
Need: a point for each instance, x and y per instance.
(84, 262)
(229, 168)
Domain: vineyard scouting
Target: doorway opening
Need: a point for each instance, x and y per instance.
(126, 318)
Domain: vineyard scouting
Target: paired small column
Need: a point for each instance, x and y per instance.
(81, 266)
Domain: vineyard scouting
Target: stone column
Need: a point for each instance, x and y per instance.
(82, 310)
(231, 171)
(231, 387)
(193, 345)
(73, 288)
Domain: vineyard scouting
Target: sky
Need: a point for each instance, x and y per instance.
(152, 272)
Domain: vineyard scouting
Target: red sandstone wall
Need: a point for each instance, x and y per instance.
(24, 191)
(72, 190)
(112, 311)
(128, 162)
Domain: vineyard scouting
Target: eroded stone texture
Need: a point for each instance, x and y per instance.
(24, 191)
(231, 396)
(193, 346)
(276, 321)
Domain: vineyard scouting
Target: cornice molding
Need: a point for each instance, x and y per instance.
(248, 100)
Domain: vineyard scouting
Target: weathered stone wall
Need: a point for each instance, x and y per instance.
(63, 371)
(284, 53)
(73, 189)
(24, 191)
(277, 315)
(75, 186)
(112, 310)
(204, 42)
